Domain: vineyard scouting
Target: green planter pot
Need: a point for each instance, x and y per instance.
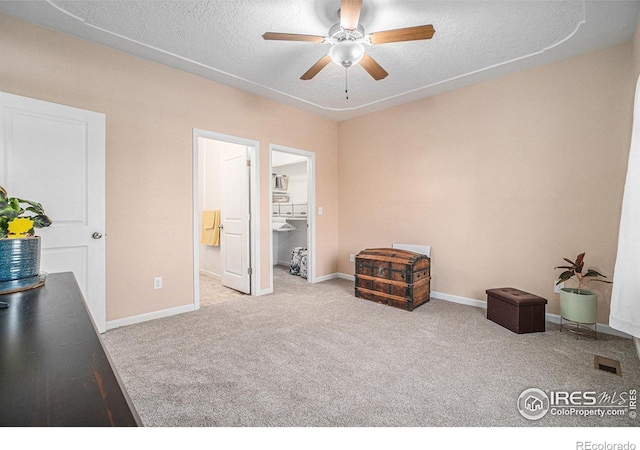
(576, 307)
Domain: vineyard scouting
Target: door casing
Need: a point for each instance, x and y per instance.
(311, 209)
(254, 227)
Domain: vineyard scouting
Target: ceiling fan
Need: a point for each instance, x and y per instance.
(347, 39)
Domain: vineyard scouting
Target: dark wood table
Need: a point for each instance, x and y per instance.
(54, 370)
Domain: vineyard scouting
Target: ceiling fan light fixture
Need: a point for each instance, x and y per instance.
(346, 53)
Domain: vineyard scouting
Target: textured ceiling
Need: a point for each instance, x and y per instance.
(222, 40)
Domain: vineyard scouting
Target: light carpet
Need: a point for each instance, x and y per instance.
(314, 355)
(212, 291)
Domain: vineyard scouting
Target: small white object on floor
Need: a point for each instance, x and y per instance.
(422, 249)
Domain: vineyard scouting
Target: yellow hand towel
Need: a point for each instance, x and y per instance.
(210, 227)
(208, 218)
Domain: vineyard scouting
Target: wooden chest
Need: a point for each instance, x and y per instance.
(393, 277)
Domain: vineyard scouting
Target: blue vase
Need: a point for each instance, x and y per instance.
(19, 258)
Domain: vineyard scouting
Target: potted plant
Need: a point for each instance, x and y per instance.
(19, 247)
(578, 304)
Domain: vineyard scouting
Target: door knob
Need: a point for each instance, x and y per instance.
(96, 235)
(220, 226)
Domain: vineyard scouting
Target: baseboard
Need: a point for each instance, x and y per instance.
(149, 316)
(457, 299)
(265, 291)
(332, 276)
(209, 273)
(636, 344)
(553, 318)
(601, 327)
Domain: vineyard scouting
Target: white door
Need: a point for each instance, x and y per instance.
(55, 155)
(234, 235)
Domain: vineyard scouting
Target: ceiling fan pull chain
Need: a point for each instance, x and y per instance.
(346, 82)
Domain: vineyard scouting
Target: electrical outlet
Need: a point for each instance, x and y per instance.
(157, 283)
(557, 287)
(352, 257)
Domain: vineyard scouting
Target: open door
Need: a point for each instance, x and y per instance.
(235, 220)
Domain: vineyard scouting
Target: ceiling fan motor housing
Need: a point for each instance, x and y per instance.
(346, 49)
(338, 34)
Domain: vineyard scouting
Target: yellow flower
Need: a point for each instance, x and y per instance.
(20, 227)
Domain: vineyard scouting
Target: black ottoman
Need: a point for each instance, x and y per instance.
(516, 310)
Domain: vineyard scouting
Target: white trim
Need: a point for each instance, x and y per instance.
(149, 316)
(600, 327)
(254, 226)
(210, 274)
(266, 291)
(344, 276)
(460, 300)
(254, 229)
(311, 209)
(196, 67)
(553, 318)
(196, 228)
(332, 276)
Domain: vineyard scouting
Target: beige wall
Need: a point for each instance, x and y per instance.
(150, 113)
(503, 179)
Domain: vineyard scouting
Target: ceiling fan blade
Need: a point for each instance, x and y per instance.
(317, 67)
(370, 65)
(350, 14)
(269, 36)
(403, 34)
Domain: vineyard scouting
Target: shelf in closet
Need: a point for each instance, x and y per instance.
(290, 210)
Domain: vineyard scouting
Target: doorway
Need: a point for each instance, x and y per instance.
(225, 174)
(292, 212)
